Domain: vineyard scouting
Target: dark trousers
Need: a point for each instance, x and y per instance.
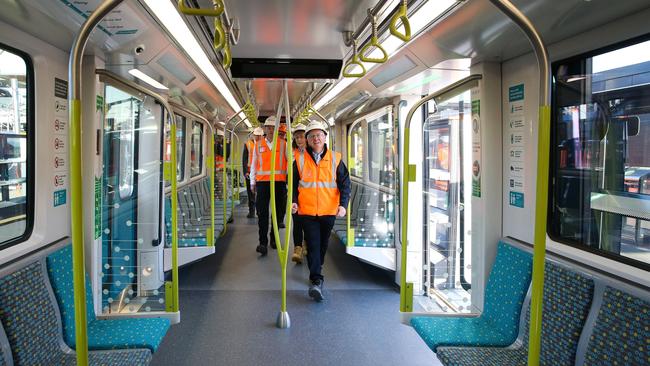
(263, 201)
(297, 231)
(317, 234)
(251, 196)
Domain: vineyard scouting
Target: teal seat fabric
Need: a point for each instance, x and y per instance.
(103, 334)
(5, 349)
(504, 296)
(621, 333)
(28, 313)
(567, 300)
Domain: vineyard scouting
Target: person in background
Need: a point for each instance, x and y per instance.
(321, 191)
(247, 160)
(299, 144)
(260, 180)
(282, 131)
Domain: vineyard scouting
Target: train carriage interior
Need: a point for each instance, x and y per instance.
(498, 155)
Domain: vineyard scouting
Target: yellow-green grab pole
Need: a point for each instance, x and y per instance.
(283, 320)
(348, 218)
(543, 147)
(76, 187)
(174, 198)
(211, 167)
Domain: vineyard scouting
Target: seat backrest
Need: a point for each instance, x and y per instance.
(59, 268)
(567, 300)
(506, 289)
(6, 359)
(29, 316)
(621, 332)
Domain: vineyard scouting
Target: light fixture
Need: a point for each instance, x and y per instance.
(170, 18)
(147, 79)
(575, 78)
(418, 20)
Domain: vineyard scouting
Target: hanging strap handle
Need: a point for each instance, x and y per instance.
(354, 61)
(217, 11)
(402, 15)
(374, 42)
(219, 40)
(227, 56)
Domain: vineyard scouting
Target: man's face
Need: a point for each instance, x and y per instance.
(316, 139)
(268, 131)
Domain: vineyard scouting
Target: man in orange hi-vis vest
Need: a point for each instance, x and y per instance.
(260, 178)
(246, 162)
(321, 191)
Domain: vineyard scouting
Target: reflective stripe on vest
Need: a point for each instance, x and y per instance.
(318, 193)
(263, 172)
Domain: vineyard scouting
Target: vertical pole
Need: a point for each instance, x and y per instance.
(211, 166)
(174, 197)
(348, 218)
(403, 307)
(541, 191)
(76, 187)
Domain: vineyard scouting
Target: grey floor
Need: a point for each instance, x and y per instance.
(229, 302)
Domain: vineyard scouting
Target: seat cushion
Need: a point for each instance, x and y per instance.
(127, 333)
(135, 357)
(450, 331)
(482, 356)
(621, 333)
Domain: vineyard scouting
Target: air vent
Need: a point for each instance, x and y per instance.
(173, 66)
(395, 69)
(248, 68)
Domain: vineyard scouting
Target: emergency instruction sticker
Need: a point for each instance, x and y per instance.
(516, 141)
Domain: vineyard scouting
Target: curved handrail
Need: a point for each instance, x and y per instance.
(408, 175)
(401, 14)
(541, 190)
(374, 42)
(354, 61)
(216, 12)
(219, 40)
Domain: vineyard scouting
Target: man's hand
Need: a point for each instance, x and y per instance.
(294, 208)
(248, 176)
(253, 188)
(341, 211)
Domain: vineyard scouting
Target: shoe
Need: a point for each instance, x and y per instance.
(297, 255)
(281, 225)
(316, 290)
(273, 246)
(250, 215)
(261, 249)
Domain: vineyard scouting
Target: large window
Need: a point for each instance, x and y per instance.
(180, 148)
(356, 150)
(601, 153)
(16, 150)
(381, 150)
(196, 157)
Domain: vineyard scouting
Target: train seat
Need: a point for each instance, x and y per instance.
(31, 321)
(567, 301)
(621, 330)
(498, 324)
(103, 334)
(193, 215)
(5, 349)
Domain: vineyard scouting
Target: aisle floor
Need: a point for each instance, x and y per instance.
(230, 300)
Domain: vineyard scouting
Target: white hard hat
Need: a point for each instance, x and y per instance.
(316, 125)
(258, 131)
(219, 132)
(270, 121)
(299, 127)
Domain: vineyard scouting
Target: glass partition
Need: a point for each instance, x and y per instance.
(196, 152)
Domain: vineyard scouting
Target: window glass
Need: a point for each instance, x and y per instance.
(381, 150)
(14, 150)
(180, 148)
(122, 115)
(601, 153)
(196, 155)
(356, 151)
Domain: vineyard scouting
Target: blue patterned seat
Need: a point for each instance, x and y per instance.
(498, 324)
(621, 333)
(103, 334)
(567, 300)
(5, 349)
(31, 321)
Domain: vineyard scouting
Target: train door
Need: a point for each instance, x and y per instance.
(447, 204)
(131, 199)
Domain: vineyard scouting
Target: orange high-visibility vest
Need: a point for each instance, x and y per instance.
(318, 194)
(250, 145)
(218, 162)
(296, 153)
(263, 158)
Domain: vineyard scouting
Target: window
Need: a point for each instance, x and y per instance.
(600, 198)
(381, 150)
(122, 116)
(16, 150)
(356, 151)
(196, 155)
(180, 148)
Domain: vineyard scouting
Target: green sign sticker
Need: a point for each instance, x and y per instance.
(59, 197)
(99, 103)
